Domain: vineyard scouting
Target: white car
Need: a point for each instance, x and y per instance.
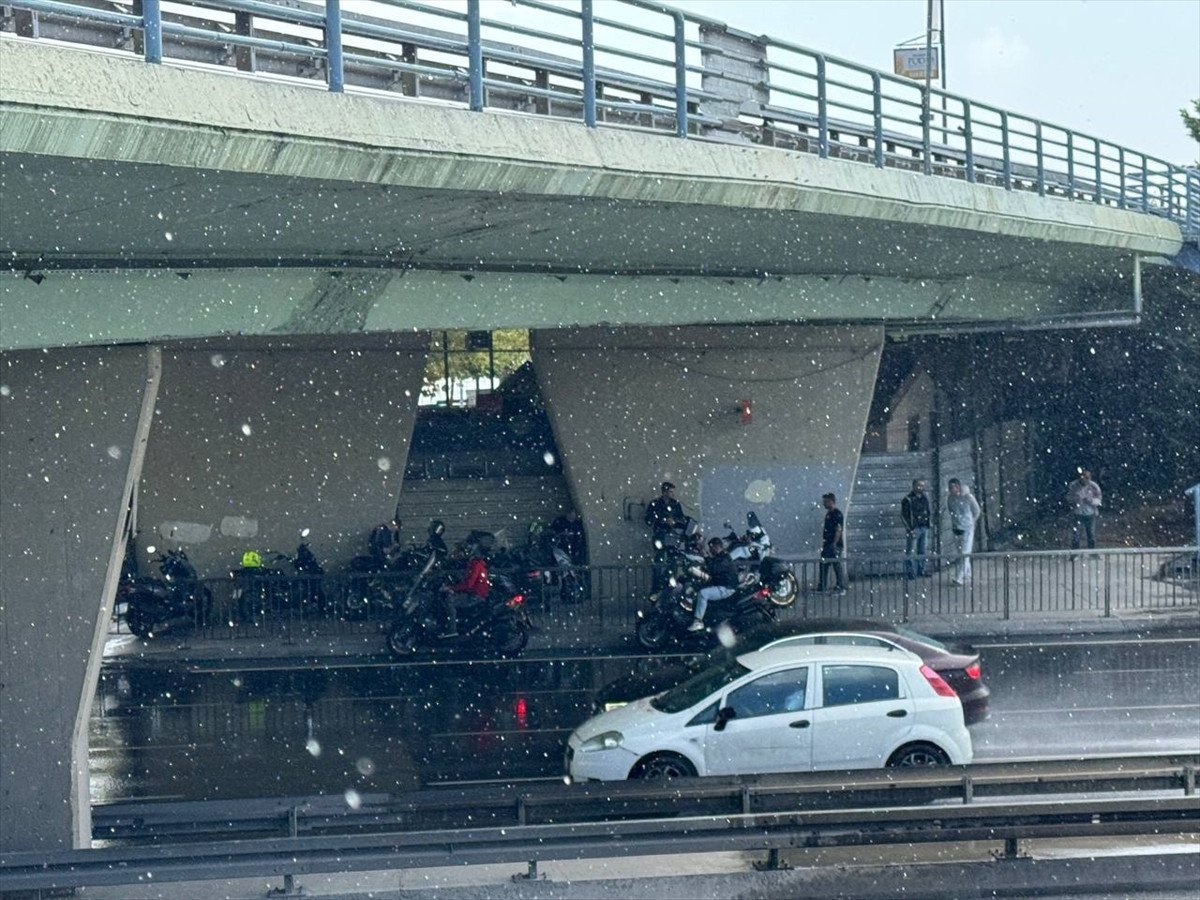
(780, 709)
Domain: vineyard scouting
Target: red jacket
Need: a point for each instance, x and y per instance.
(476, 580)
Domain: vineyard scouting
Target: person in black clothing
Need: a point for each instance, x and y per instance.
(720, 572)
(385, 543)
(567, 529)
(833, 545)
(914, 510)
(666, 512)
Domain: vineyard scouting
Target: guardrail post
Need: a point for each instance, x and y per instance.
(877, 116)
(1071, 165)
(1005, 587)
(335, 68)
(1121, 177)
(968, 140)
(681, 108)
(926, 137)
(1041, 159)
(1107, 587)
(152, 28)
(589, 65)
(822, 110)
(1145, 186)
(1098, 198)
(474, 55)
(1007, 151)
(289, 880)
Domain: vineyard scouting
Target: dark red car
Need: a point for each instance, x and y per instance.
(958, 664)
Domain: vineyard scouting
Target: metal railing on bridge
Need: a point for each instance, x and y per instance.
(1002, 586)
(645, 65)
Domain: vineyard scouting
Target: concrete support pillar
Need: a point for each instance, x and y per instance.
(631, 407)
(735, 67)
(72, 430)
(256, 440)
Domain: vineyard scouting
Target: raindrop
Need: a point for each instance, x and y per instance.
(217, 360)
(314, 749)
(303, 532)
(548, 458)
(114, 451)
(384, 464)
(246, 429)
(5, 390)
(151, 549)
(168, 236)
(353, 800)
(365, 766)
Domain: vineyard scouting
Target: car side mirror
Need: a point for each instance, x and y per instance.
(724, 714)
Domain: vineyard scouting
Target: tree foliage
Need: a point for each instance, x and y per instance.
(1191, 121)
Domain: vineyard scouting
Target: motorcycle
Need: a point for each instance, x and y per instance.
(257, 589)
(558, 576)
(675, 549)
(375, 583)
(755, 547)
(176, 602)
(670, 613)
(496, 623)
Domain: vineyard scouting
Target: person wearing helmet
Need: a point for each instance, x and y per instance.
(385, 543)
(471, 589)
(720, 573)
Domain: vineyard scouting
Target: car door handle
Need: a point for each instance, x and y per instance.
(799, 723)
(898, 713)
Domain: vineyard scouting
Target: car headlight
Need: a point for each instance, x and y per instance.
(609, 740)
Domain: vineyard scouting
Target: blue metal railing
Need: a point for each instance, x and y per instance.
(656, 67)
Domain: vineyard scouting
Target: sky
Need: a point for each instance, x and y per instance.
(1117, 69)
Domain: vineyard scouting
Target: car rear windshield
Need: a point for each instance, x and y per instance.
(688, 693)
(917, 636)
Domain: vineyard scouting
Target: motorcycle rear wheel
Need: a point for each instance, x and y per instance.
(784, 592)
(402, 641)
(653, 633)
(138, 623)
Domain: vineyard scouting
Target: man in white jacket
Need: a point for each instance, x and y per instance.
(1084, 497)
(964, 513)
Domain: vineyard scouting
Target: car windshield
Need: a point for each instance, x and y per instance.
(917, 636)
(688, 693)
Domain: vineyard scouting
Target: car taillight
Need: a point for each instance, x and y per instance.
(763, 592)
(939, 685)
(516, 600)
(973, 671)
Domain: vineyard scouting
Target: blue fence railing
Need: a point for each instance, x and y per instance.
(632, 63)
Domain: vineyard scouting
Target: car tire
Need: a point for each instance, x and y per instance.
(918, 756)
(663, 766)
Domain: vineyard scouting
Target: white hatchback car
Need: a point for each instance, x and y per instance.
(781, 709)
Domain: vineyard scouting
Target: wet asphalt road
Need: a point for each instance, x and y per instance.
(225, 733)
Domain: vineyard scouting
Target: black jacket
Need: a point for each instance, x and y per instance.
(662, 509)
(914, 510)
(722, 571)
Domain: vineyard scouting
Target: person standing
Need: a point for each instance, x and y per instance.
(1084, 496)
(964, 513)
(914, 510)
(833, 544)
(666, 512)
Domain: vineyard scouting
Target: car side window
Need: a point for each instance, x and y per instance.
(844, 685)
(706, 716)
(779, 692)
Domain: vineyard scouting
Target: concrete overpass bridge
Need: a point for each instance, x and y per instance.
(220, 279)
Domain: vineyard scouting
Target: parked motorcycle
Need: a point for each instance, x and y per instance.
(375, 584)
(670, 612)
(553, 574)
(675, 549)
(258, 588)
(752, 553)
(497, 623)
(177, 601)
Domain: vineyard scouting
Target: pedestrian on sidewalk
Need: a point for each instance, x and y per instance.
(914, 510)
(964, 513)
(833, 545)
(1084, 496)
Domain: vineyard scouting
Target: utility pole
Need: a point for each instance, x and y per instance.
(926, 143)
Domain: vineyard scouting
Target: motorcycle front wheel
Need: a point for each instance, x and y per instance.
(509, 637)
(653, 633)
(138, 623)
(403, 641)
(783, 592)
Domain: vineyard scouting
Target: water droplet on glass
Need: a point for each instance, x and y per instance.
(313, 747)
(217, 359)
(168, 236)
(246, 429)
(384, 464)
(5, 390)
(114, 451)
(365, 766)
(353, 800)
(548, 458)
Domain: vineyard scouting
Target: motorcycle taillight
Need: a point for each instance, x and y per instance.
(762, 592)
(516, 600)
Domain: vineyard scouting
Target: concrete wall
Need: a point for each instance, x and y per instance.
(71, 427)
(631, 407)
(254, 442)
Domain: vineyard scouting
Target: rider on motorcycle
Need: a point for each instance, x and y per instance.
(720, 573)
(472, 588)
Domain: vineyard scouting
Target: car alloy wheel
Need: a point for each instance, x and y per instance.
(664, 766)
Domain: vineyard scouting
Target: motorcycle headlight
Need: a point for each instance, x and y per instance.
(609, 740)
